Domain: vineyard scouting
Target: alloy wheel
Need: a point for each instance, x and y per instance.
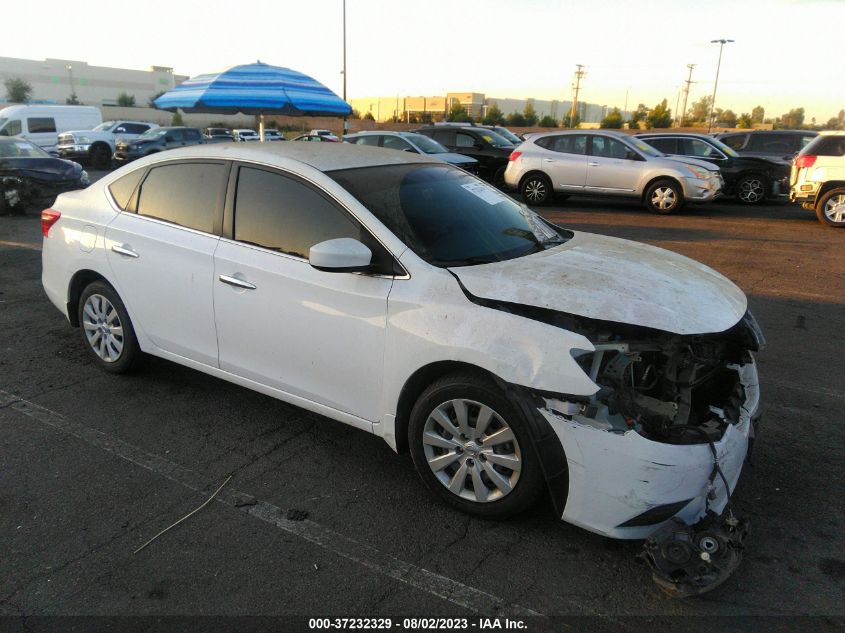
(834, 209)
(472, 451)
(751, 190)
(103, 328)
(535, 190)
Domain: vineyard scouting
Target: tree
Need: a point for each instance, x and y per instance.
(125, 100)
(548, 121)
(613, 120)
(744, 122)
(530, 115)
(72, 99)
(700, 110)
(355, 114)
(458, 113)
(151, 102)
(516, 119)
(17, 90)
(640, 114)
(177, 119)
(758, 114)
(369, 117)
(494, 115)
(726, 118)
(568, 122)
(793, 119)
(660, 115)
(833, 124)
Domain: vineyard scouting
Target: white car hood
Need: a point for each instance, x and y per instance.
(614, 280)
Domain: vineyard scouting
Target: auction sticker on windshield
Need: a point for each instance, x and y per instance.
(485, 192)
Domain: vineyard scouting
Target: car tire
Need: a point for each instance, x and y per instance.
(106, 328)
(499, 177)
(493, 473)
(751, 189)
(830, 209)
(101, 156)
(536, 189)
(664, 197)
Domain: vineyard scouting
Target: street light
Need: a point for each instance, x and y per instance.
(721, 44)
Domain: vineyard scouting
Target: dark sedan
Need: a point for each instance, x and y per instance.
(31, 178)
(751, 179)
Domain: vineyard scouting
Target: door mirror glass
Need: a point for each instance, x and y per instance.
(342, 254)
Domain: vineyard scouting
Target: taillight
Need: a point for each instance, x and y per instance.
(48, 218)
(805, 161)
(514, 155)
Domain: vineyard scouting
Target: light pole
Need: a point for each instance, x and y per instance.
(625, 108)
(69, 69)
(343, 72)
(721, 44)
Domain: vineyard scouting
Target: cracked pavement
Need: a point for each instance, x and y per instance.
(71, 514)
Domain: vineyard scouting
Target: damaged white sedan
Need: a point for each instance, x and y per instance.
(408, 298)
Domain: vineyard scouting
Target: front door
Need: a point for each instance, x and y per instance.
(612, 167)
(313, 334)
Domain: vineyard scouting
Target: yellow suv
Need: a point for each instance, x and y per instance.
(817, 179)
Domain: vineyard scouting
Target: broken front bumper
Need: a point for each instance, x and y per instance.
(623, 485)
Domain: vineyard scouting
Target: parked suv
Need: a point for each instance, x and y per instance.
(818, 178)
(491, 150)
(609, 164)
(780, 145)
(157, 140)
(750, 178)
(245, 135)
(414, 143)
(97, 146)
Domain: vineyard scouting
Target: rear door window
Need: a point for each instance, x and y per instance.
(607, 147)
(41, 124)
(771, 143)
(445, 137)
(395, 142)
(464, 140)
(192, 135)
(569, 144)
(187, 194)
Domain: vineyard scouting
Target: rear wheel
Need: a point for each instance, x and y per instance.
(472, 449)
(830, 209)
(664, 197)
(751, 189)
(499, 177)
(536, 189)
(106, 328)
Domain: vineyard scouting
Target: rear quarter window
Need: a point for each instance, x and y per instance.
(123, 188)
(826, 146)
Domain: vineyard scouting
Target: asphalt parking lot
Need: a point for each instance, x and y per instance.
(319, 519)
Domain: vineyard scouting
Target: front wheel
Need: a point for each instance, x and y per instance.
(664, 197)
(472, 449)
(106, 328)
(830, 209)
(101, 156)
(751, 189)
(536, 189)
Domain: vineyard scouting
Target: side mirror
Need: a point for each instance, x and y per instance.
(341, 255)
(120, 129)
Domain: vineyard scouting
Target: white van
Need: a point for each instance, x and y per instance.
(41, 124)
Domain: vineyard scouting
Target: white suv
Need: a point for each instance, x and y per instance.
(818, 178)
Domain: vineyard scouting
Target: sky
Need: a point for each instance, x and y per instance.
(786, 54)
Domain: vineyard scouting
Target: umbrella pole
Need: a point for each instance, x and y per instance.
(261, 126)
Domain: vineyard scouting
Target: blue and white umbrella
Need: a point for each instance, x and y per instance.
(255, 89)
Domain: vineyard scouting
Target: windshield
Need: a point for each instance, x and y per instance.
(105, 125)
(152, 134)
(494, 139)
(726, 149)
(427, 145)
(507, 134)
(644, 147)
(448, 217)
(21, 149)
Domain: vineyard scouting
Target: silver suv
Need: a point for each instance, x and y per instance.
(607, 163)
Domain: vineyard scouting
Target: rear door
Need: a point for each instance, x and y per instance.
(161, 253)
(564, 158)
(611, 167)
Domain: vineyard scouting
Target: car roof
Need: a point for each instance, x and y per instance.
(320, 156)
(703, 137)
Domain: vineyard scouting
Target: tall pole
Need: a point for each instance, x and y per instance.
(721, 44)
(625, 108)
(70, 79)
(686, 94)
(677, 102)
(578, 74)
(344, 61)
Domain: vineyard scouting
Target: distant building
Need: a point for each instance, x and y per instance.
(54, 80)
(476, 104)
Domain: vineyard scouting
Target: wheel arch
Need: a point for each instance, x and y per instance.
(829, 185)
(80, 280)
(655, 179)
(534, 172)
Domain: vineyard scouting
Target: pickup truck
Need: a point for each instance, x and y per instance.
(98, 145)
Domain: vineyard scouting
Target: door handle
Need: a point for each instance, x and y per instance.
(548, 160)
(593, 164)
(122, 250)
(238, 283)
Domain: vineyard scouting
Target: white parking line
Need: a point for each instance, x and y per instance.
(445, 588)
(32, 246)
